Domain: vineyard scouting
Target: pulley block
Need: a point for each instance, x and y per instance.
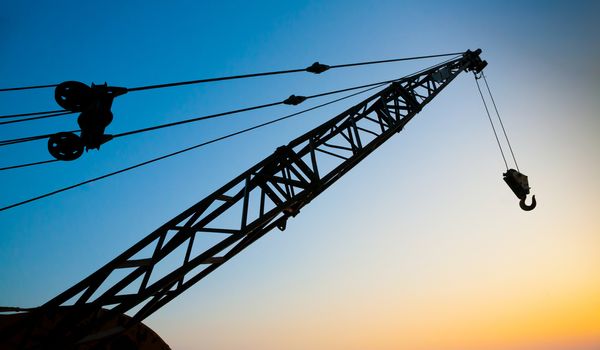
(519, 184)
(94, 106)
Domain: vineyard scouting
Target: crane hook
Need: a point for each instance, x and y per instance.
(529, 207)
(519, 184)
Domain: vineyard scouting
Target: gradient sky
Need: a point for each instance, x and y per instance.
(422, 246)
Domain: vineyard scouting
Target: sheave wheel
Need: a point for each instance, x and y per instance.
(65, 146)
(73, 95)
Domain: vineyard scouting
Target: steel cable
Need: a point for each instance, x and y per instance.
(247, 109)
(32, 113)
(35, 118)
(491, 122)
(501, 123)
(34, 138)
(252, 75)
(186, 121)
(185, 149)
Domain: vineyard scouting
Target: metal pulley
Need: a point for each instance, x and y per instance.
(519, 184)
(65, 146)
(93, 103)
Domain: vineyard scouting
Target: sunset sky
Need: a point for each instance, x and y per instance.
(421, 246)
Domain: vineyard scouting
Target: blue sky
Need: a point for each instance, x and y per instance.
(424, 220)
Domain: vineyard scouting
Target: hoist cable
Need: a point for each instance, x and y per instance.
(186, 149)
(491, 123)
(500, 119)
(253, 75)
(33, 113)
(35, 118)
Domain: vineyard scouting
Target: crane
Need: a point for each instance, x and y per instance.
(104, 312)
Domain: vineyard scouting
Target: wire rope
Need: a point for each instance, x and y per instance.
(191, 120)
(39, 137)
(247, 109)
(36, 118)
(29, 164)
(252, 75)
(153, 160)
(32, 113)
(491, 122)
(500, 119)
(28, 87)
(63, 112)
(28, 139)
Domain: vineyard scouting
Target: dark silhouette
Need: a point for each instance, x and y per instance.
(519, 184)
(94, 104)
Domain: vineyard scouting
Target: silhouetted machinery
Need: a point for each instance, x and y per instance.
(93, 104)
(92, 313)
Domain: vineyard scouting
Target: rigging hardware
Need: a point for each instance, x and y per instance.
(294, 100)
(516, 180)
(315, 68)
(94, 105)
(519, 184)
(205, 117)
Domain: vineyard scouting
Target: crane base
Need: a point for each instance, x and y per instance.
(32, 330)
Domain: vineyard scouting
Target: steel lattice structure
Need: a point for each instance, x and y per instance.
(260, 199)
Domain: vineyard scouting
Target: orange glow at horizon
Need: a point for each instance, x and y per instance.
(452, 324)
(526, 319)
(531, 321)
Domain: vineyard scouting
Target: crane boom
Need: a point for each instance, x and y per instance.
(260, 199)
